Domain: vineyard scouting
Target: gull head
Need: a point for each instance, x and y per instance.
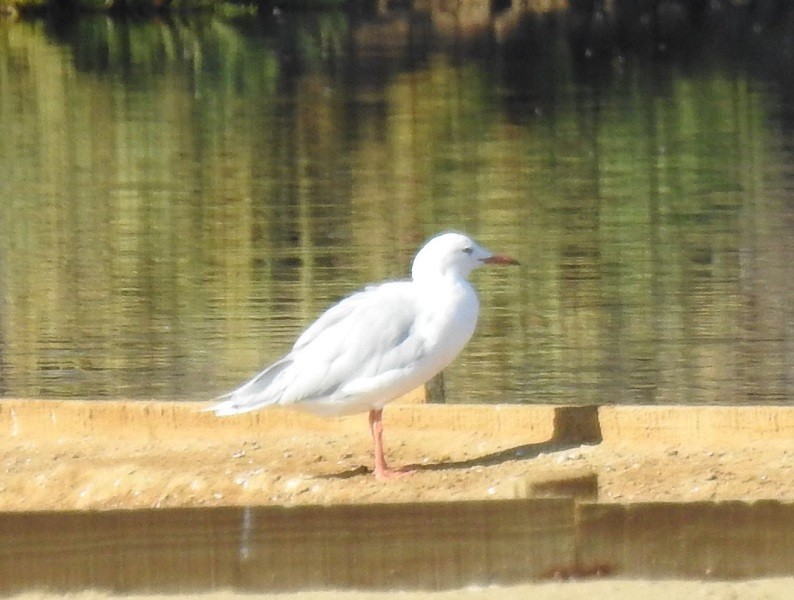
(453, 255)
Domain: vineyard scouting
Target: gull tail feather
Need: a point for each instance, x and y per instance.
(263, 390)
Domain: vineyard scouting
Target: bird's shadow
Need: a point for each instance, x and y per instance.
(572, 427)
(515, 453)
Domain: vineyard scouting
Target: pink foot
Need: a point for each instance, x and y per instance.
(385, 473)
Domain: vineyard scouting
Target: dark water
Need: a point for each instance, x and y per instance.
(178, 200)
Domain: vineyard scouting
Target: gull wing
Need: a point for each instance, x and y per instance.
(372, 336)
(368, 341)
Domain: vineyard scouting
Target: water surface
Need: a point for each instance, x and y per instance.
(178, 200)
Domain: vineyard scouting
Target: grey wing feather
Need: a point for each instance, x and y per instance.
(259, 391)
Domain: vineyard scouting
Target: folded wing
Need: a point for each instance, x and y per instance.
(368, 342)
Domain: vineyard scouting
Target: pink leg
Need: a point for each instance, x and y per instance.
(382, 470)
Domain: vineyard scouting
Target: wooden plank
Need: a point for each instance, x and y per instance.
(698, 425)
(378, 546)
(154, 420)
(695, 539)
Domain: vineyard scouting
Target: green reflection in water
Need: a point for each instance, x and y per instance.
(179, 200)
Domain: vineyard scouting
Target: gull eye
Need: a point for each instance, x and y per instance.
(468, 249)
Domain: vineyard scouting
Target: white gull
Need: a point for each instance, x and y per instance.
(378, 344)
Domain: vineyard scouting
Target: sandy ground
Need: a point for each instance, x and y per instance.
(334, 466)
(331, 467)
(757, 589)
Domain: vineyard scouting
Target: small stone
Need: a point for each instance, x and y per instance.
(292, 484)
